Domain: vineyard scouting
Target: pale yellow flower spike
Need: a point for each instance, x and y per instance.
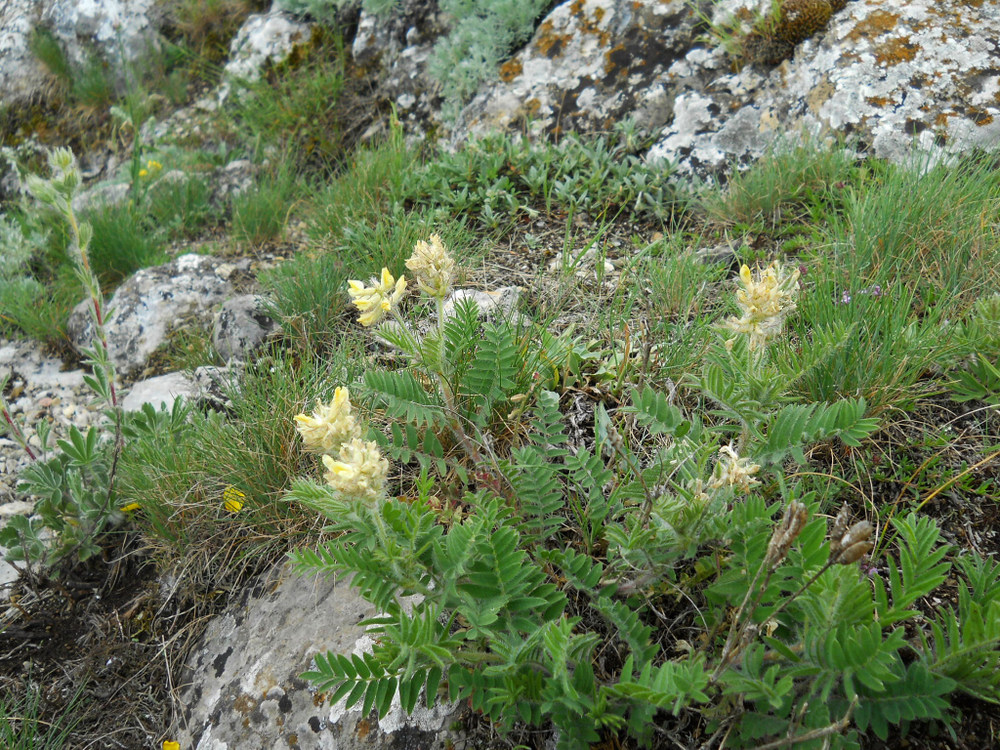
(432, 266)
(373, 302)
(733, 471)
(330, 426)
(765, 303)
(360, 472)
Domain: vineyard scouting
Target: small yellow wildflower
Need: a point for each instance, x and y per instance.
(765, 302)
(330, 426)
(153, 165)
(373, 302)
(232, 499)
(432, 266)
(143, 173)
(171, 745)
(130, 507)
(733, 471)
(361, 471)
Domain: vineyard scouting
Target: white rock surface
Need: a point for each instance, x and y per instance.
(243, 688)
(152, 304)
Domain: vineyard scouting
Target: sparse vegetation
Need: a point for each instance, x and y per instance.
(717, 462)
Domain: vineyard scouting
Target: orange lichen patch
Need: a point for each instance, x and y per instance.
(981, 116)
(244, 704)
(874, 26)
(942, 119)
(879, 101)
(613, 57)
(896, 51)
(532, 106)
(511, 70)
(364, 728)
(549, 42)
(599, 14)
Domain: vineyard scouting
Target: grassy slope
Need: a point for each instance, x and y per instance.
(897, 304)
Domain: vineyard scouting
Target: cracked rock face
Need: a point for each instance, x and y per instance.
(589, 64)
(892, 75)
(241, 325)
(263, 38)
(244, 691)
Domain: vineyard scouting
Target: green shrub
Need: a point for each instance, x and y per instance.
(791, 183)
(180, 208)
(501, 176)
(480, 36)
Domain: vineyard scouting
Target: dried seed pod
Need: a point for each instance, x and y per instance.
(855, 543)
(839, 529)
(859, 532)
(855, 552)
(786, 532)
(615, 438)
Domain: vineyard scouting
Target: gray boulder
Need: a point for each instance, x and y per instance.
(895, 77)
(240, 326)
(206, 384)
(152, 304)
(589, 65)
(263, 38)
(243, 688)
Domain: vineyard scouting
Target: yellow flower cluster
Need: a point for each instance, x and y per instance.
(152, 167)
(360, 471)
(765, 302)
(432, 266)
(330, 426)
(355, 467)
(733, 471)
(374, 301)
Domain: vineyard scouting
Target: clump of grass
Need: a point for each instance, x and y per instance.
(212, 480)
(926, 227)
(180, 208)
(789, 184)
(260, 213)
(375, 179)
(206, 27)
(123, 243)
(89, 85)
(25, 724)
(294, 108)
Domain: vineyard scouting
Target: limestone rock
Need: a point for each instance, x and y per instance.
(241, 325)
(264, 37)
(398, 46)
(20, 73)
(150, 305)
(110, 28)
(243, 686)
(498, 304)
(589, 64)
(894, 76)
(206, 384)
